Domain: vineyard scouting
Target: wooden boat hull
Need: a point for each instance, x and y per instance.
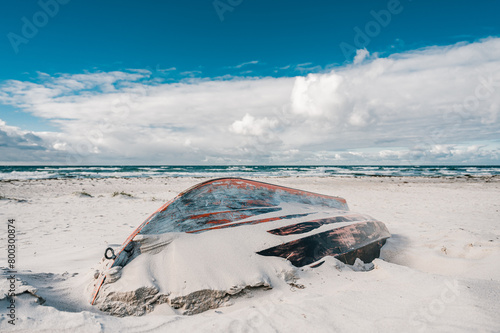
(307, 226)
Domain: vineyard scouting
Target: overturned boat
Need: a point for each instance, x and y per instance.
(293, 226)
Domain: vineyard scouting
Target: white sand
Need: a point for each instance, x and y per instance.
(440, 271)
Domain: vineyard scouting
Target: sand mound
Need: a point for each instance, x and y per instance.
(191, 272)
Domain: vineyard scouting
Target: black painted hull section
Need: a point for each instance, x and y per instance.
(361, 240)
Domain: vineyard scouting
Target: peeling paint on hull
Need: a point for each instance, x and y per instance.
(233, 202)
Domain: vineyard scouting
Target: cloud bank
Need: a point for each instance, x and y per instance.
(432, 105)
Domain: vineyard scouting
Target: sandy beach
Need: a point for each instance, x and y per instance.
(250, 166)
(438, 272)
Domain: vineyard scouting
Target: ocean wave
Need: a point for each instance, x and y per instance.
(25, 175)
(50, 172)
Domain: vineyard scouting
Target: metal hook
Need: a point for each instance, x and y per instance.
(113, 255)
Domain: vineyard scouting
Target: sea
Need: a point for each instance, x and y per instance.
(115, 171)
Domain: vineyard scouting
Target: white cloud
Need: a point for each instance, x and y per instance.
(426, 106)
(361, 55)
(253, 62)
(316, 94)
(25, 146)
(251, 126)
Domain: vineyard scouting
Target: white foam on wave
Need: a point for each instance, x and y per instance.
(25, 175)
(51, 172)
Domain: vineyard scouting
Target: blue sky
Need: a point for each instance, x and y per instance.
(198, 57)
(188, 35)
